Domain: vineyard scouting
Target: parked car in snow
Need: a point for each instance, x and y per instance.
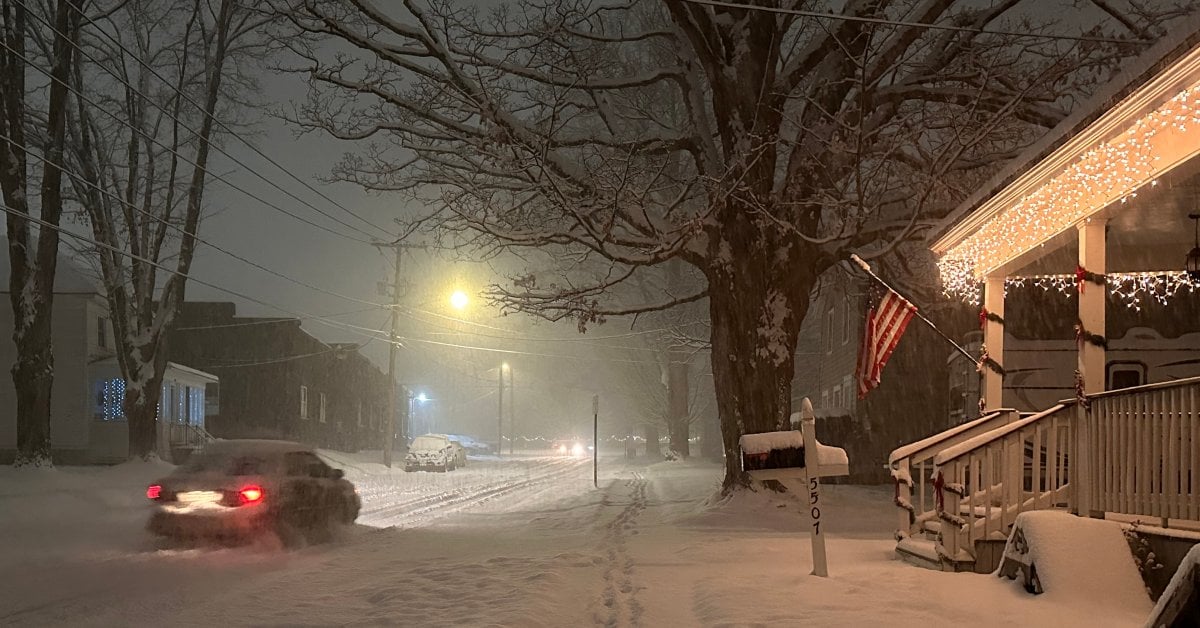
(239, 489)
(435, 452)
(471, 445)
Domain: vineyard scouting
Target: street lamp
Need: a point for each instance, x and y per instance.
(459, 300)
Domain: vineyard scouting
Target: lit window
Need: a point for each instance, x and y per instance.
(304, 402)
(360, 422)
(110, 400)
(322, 407)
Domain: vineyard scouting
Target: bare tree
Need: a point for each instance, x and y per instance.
(33, 122)
(154, 79)
(757, 145)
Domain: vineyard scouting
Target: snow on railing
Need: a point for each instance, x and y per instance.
(911, 468)
(986, 481)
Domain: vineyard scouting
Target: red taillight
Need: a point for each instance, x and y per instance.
(153, 491)
(250, 495)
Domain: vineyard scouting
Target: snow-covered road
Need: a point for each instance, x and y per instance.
(516, 542)
(73, 551)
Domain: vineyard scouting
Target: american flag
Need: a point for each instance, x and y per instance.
(886, 321)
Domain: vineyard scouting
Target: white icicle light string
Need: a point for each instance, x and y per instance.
(1132, 289)
(1117, 168)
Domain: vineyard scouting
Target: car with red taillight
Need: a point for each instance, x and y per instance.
(241, 489)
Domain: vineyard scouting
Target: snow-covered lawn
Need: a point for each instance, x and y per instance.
(523, 542)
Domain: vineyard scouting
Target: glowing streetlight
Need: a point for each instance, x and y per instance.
(422, 397)
(459, 300)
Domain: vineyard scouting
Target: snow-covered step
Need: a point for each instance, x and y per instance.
(918, 551)
(1074, 559)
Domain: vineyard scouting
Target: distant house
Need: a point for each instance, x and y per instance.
(279, 381)
(911, 400)
(87, 423)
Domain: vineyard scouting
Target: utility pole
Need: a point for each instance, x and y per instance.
(389, 438)
(512, 416)
(500, 415)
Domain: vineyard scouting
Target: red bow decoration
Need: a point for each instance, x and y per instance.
(1080, 277)
(939, 497)
(983, 314)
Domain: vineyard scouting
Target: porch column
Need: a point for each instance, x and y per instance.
(1093, 299)
(993, 339)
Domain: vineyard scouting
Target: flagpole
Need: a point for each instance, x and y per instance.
(867, 269)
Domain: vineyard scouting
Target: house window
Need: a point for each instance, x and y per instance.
(212, 399)
(1125, 374)
(829, 331)
(196, 406)
(837, 396)
(322, 409)
(846, 321)
(848, 390)
(360, 423)
(825, 398)
(304, 402)
(101, 332)
(109, 395)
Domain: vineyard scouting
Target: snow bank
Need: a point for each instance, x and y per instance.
(793, 439)
(1079, 561)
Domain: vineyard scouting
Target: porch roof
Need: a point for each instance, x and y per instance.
(1139, 127)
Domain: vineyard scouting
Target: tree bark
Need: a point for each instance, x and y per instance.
(755, 324)
(677, 403)
(653, 450)
(31, 282)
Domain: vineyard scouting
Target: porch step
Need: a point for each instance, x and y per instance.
(920, 552)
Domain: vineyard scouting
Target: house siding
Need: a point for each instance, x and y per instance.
(262, 367)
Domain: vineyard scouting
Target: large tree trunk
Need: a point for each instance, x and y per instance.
(33, 378)
(653, 450)
(677, 403)
(755, 322)
(33, 262)
(143, 394)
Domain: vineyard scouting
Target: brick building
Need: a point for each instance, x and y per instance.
(278, 381)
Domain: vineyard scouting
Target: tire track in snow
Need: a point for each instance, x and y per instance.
(619, 605)
(421, 510)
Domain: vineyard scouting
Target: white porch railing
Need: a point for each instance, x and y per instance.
(984, 483)
(1145, 448)
(187, 435)
(1134, 451)
(912, 469)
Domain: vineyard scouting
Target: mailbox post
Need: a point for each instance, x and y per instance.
(797, 455)
(808, 428)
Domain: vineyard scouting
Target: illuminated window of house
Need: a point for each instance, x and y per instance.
(322, 407)
(304, 402)
(109, 395)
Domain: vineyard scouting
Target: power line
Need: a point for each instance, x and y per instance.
(201, 109)
(159, 143)
(170, 225)
(332, 323)
(889, 22)
(366, 332)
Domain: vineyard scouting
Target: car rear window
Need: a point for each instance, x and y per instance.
(242, 464)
